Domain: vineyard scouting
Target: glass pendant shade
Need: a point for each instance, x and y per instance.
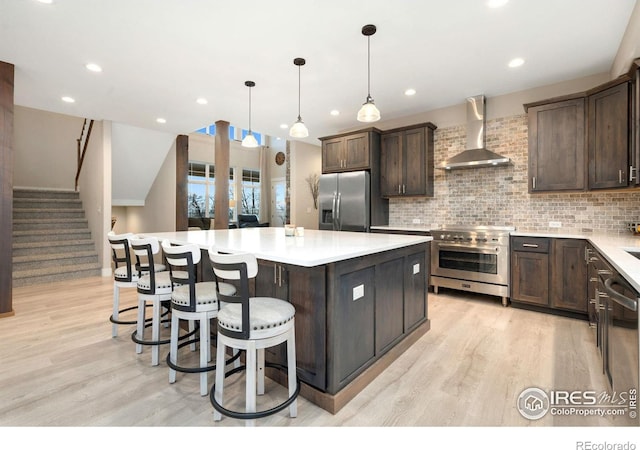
(299, 130)
(368, 112)
(249, 140)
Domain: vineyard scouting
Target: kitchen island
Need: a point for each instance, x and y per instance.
(360, 299)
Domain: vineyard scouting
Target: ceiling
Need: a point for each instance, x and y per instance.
(159, 56)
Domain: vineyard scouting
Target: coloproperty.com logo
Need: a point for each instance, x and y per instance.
(535, 403)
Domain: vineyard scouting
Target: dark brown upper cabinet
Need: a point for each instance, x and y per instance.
(584, 141)
(557, 145)
(406, 161)
(351, 151)
(609, 135)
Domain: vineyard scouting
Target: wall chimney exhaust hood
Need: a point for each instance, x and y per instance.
(476, 154)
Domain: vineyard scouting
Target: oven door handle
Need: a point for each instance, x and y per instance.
(622, 300)
(482, 250)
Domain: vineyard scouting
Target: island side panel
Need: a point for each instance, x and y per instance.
(351, 346)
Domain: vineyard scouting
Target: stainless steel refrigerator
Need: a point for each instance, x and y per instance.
(344, 201)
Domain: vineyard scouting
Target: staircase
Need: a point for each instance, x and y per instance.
(51, 238)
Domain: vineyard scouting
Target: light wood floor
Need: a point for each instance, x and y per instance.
(61, 367)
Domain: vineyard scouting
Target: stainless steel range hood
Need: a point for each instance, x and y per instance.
(476, 154)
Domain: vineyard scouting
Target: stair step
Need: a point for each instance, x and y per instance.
(29, 262)
(48, 224)
(20, 193)
(49, 235)
(47, 203)
(59, 246)
(39, 213)
(56, 273)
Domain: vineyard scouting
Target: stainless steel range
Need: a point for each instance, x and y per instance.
(474, 259)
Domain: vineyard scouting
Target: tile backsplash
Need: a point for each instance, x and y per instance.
(498, 195)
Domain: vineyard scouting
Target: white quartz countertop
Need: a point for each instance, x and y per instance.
(419, 228)
(613, 246)
(316, 247)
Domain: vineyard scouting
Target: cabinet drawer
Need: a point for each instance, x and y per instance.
(529, 244)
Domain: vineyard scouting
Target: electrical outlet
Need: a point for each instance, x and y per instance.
(555, 224)
(416, 221)
(358, 292)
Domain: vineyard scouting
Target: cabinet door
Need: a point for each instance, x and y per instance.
(569, 275)
(415, 281)
(530, 278)
(414, 163)
(557, 146)
(332, 155)
(609, 137)
(356, 155)
(354, 326)
(389, 304)
(390, 165)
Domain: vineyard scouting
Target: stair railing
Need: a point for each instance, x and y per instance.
(83, 142)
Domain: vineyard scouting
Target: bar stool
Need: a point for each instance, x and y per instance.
(155, 288)
(251, 324)
(193, 301)
(123, 276)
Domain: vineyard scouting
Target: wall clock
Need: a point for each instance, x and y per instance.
(279, 158)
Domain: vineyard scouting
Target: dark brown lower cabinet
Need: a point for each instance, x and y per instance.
(550, 273)
(348, 313)
(569, 275)
(530, 270)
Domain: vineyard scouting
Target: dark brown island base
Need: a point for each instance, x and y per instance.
(360, 299)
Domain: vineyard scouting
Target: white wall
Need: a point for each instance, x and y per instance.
(45, 146)
(94, 185)
(629, 48)
(137, 154)
(306, 159)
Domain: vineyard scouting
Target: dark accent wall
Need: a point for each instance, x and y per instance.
(6, 187)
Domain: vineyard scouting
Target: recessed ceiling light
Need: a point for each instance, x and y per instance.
(68, 99)
(335, 112)
(516, 62)
(46, 2)
(284, 126)
(93, 67)
(161, 120)
(410, 92)
(202, 101)
(496, 3)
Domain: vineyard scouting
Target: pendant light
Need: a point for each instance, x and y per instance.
(299, 130)
(249, 140)
(368, 112)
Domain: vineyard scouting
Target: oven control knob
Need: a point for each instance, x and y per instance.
(482, 239)
(442, 237)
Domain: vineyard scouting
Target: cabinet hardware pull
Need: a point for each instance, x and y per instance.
(593, 279)
(530, 245)
(399, 190)
(631, 170)
(279, 276)
(604, 272)
(275, 277)
(620, 176)
(534, 182)
(403, 186)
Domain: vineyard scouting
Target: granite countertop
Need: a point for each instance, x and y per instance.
(316, 247)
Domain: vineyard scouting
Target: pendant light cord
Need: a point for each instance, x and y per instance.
(249, 109)
(368, 67)
(299, 118)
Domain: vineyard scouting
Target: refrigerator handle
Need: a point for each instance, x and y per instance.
(333, 211)
(338, 212)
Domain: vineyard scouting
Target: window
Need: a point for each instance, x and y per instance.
(250, 191)
(211, 131)
(202, 189)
